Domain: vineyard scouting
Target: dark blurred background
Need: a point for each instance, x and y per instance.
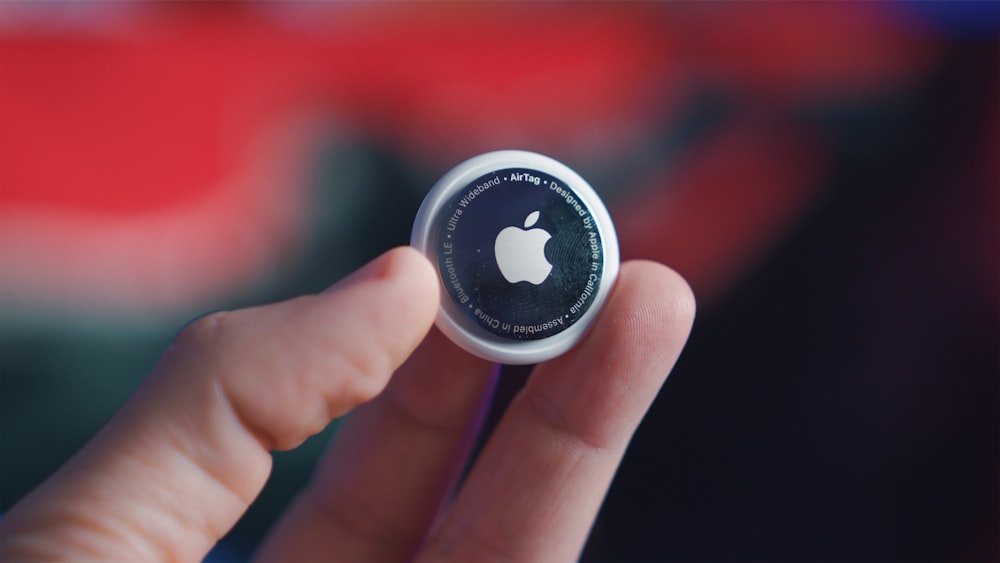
(825, 174)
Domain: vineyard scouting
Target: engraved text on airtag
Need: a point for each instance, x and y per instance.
(520, 254)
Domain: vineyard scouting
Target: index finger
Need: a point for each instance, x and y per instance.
(536, 489)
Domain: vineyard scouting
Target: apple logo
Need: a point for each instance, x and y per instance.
(520, 253)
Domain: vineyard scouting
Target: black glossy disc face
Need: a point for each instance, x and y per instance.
(520, 254)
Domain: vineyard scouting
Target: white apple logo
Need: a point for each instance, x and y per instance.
(520, 253)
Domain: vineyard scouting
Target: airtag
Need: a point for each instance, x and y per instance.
(526, 253)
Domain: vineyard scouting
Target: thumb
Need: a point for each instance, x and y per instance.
(179, 464)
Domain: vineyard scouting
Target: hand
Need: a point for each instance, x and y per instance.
(173, 470)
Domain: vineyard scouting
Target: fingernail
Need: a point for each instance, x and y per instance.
(385, 266)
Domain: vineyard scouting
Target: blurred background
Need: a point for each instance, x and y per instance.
(825, 174)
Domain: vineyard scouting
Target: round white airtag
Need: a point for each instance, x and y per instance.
(526, 253)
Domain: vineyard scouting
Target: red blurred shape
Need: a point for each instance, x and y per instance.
(726, 206)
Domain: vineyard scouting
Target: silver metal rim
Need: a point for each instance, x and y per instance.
(450, 320)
